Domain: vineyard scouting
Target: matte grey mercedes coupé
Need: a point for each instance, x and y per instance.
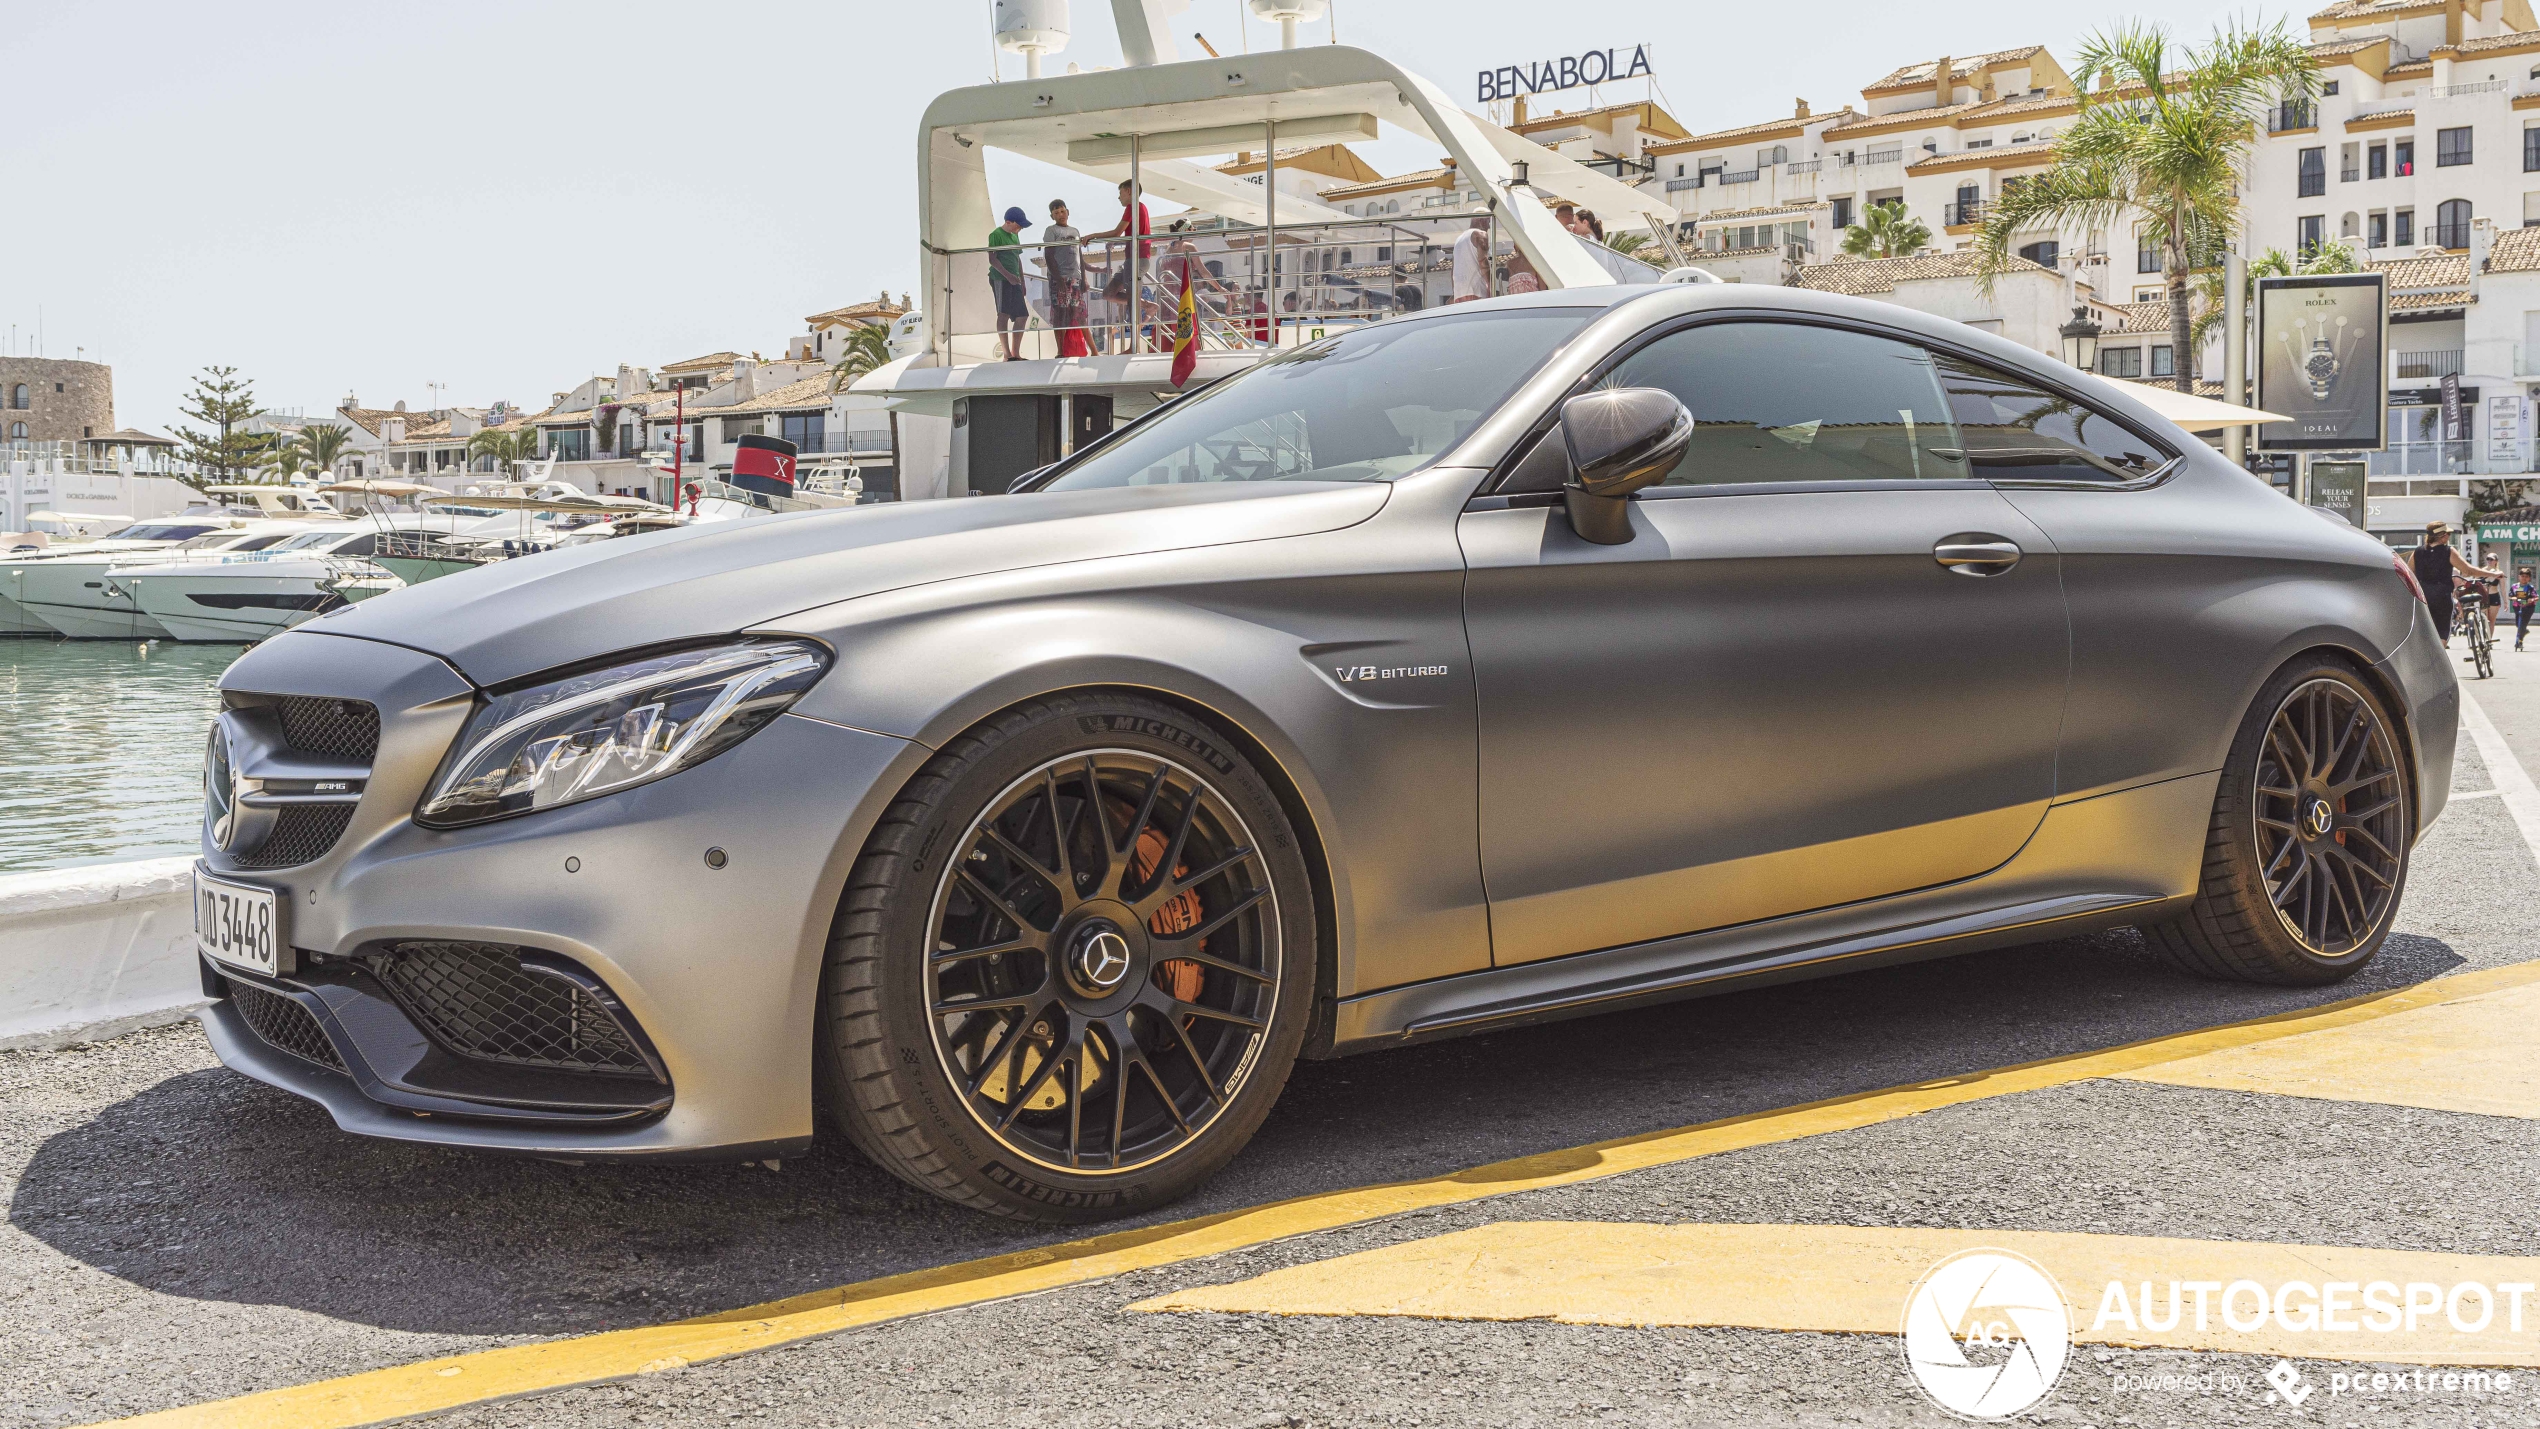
(1516, 660)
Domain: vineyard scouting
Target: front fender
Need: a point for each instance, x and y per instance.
(1269, 638)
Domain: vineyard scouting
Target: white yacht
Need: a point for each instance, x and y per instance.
(135, 538)
(72, 594)
(243, 597)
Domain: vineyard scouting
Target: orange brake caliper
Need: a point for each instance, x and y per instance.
(1180, 978)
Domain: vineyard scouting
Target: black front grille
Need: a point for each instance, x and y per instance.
(479, 1001)
(302, 834)
(337, 729)
(285, 1025)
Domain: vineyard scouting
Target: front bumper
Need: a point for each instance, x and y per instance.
(716, 968)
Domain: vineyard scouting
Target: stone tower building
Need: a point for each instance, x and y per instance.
(53, 399)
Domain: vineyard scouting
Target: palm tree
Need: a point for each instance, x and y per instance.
(1885, 232)
(868, 346)
(321, 443)
(2158, 149)
(2329, 255)
(1627, 242)
(508, 448)
(285, 460)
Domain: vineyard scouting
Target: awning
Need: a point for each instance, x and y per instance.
(2198, 414)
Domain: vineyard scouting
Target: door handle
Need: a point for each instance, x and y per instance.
(1976, 554)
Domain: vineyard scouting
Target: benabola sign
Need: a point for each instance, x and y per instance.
(1567, 72)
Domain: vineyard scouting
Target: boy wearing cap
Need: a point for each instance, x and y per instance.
(1005, 276)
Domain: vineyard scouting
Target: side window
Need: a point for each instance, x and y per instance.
(360, 546)
(2014, 429)
(1791, 402)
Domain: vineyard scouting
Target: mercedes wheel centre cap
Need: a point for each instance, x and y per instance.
(1101, 957)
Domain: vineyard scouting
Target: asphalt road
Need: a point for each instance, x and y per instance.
(177, 1233)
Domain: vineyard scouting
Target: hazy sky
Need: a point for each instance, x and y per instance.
(508, 197)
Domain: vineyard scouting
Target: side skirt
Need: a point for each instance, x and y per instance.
(2123, 858)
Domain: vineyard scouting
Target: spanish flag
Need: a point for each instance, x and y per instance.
(1185, 334)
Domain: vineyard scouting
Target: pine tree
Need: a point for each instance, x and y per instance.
(221, 400)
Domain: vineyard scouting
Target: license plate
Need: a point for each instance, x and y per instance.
(237, 924)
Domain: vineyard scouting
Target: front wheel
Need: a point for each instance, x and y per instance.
(2307, 850)
(1072, 967)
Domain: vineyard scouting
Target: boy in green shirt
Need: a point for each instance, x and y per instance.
(1005, 278)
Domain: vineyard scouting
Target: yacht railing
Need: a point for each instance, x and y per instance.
(1075, 299)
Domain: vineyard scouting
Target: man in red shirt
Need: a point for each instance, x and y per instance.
(1118, 288)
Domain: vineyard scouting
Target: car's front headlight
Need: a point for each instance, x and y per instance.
(596, 733)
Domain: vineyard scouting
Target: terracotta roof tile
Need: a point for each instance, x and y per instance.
(2035, 151)
(2360, 9)
(2449, 270)
(701, 364)
(1904, 118)
(1845, 115)
(1734, 215)
(1958, 68)
(1862, 277)
(2517, 250)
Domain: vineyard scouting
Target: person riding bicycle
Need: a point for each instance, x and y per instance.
(2435, 564)
(2523, 595)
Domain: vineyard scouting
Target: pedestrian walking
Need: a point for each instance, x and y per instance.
(2436, 565)
(2523, 595)
(1063, 262)
(1005, 276)
(1471, 253)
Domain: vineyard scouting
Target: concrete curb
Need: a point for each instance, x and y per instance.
(90, 953)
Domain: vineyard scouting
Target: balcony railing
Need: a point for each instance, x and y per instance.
(1882, 156)
(2449, 91)
(1741, 176)
(1966, 211)
(2432, 366)
(2349, 173)
(1804, 166)
(1690, 181)
(2421, 459)
(2292, 116)
(869, 442)
(2448, 235)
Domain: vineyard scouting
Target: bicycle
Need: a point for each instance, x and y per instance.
(2479, 623)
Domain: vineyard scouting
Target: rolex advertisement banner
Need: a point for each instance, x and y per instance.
(2320, 361)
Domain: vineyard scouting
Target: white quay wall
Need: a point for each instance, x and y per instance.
(88, 953)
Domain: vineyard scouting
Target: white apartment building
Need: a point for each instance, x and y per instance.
(1940, 136)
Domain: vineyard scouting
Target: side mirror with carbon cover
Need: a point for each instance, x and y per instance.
(1620, 439)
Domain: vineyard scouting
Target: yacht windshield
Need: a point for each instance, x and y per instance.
(1373, 404)
(311, 541)
(160, 532)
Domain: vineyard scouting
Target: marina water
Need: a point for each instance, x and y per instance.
(101, 749)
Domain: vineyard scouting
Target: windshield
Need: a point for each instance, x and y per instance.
(312, 540)
(1372, 404)
(159, 533)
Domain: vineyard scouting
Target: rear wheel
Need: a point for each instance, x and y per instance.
(2307, 851)
(1072, 967)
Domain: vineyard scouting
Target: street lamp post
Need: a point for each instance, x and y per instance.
(2081, 339)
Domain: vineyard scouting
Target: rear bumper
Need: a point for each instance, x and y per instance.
(2421, 669)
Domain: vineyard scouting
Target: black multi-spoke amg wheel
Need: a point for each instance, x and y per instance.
(2308, 848)
(1072, 967)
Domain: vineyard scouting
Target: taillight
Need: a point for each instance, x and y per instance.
(2408, 573)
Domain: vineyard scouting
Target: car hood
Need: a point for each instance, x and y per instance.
(533, 613)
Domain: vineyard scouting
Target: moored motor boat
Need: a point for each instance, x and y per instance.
(138, 538)
(73, 595)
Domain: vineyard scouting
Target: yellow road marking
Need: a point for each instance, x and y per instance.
(2471, 1054)
(1847, 1279)
(403, 1391)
